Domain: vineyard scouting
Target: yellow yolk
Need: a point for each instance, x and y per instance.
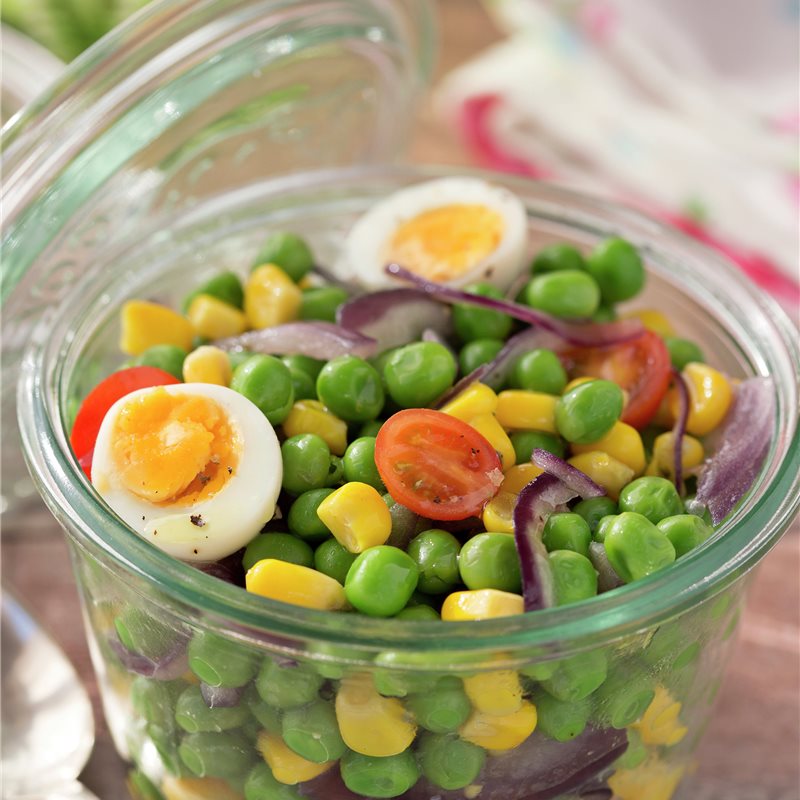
(445, 242)
(174, 449)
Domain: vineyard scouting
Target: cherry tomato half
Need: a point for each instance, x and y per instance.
(641, 367)
(436, 465)
(101, 398)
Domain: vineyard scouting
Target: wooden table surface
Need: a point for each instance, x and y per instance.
(752, 748)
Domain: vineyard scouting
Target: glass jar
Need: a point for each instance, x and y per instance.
(619, 688)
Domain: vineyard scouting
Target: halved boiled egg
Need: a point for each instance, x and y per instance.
(457, 230)
(194, 468)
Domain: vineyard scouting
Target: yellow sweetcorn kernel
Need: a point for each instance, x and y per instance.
(215, 319)
(710, 397)
(292, 583)
(207, 364)
(476, 400)
(692, 453)
(650, 780)
(518, 477)
(310, 416)
(476, 604)
(604, 470)
(652, 320)
(198, 789)
(498, 733)
(370, 723)
(519, 410)
(288, 767)
(271, 297)
(622, 442)
(660, 725)
(147, 324)
(498, 513)
(357, 516)
(488, 426)
(496, 693)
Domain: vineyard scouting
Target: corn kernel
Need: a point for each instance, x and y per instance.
(476, 604)
(498, 513)
(518, 477)
(288, 767)
(652, 320)
(271, 297)
(476, 400)
(292, 583)
(650, 780)
(197, 789)
(488, 427)
(710, 397)
(207, 364)
(495, 693)
(577, 382)
(370, 723)
(518, 410)
(604, 470)
(660, 724)
(622, 442)
(357, 516)
(496, 732)
(692, 453)
(148, 324)
(310, 416)
(215, 319)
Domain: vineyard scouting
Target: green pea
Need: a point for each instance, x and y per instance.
(566, 293)
(155, 701)
(449, 762)
(351, 388)
(142, 633)
(261, 784)
(335, 472)
(473, 322)
(372, 776)
(578, 676)
(636, 548)
(392, 678)
(238, 357)
(220, 662)
(381, 581)
(227, 286)
(435, 552)
(267, 383)
(525, 442)
(588, 411)
(302, 518)
(574, 577)
(312, 732)
(321, 303)
(604, 314)
(359, 463)
(652, 497)
(443, 709)
(567, 531)
(163, 356)
(617, 267)
(193, 715)
(370, 428)
(561, 720)
(287, 251)
(304, 387)
(593, 509)
(490, 561)
(141, 787)
(306, 461)
(419, 373)
(287, 687)
(685, 531)
(477, 352)
(672, 647)
(691, 506)
(281, 546)
(540, 671)
(267, 717)
(311, 366)
(217, 755)
(418, 613)
(682, 352)
(603, 527)
(538, 371)
(166, 744)
(333, 560)
(624, 697)
(556, 257)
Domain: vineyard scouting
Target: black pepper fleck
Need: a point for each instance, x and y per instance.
(197, 519)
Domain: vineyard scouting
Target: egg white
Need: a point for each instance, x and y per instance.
(363, 262)
(231, 517)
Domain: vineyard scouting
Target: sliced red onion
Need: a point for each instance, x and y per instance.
(607, 578)
(394, 317)
(221, 696)
(579, 482)
(316, 339)
(679, 429)
(167, 667)
(228, 569)
(329, 276)
(585, 334)
(744, 443)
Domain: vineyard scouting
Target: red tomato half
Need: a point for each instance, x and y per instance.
(436, 465)
(101, 398)
(641, 367)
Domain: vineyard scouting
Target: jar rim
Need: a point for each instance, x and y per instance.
(739, 543)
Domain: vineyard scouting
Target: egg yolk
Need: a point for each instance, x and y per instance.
(173, 449)
(445, 242)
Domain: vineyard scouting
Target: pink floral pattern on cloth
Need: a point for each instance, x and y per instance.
(602, 93)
